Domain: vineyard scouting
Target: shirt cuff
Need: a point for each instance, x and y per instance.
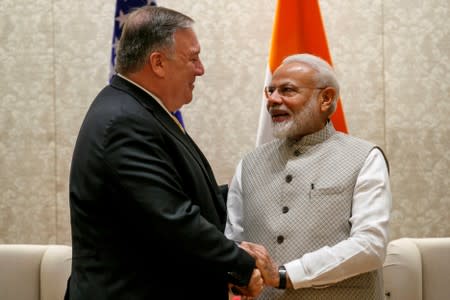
(297, 274)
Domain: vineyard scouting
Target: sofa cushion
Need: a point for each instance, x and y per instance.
(34, 272)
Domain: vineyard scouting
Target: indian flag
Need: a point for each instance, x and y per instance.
(297, 28)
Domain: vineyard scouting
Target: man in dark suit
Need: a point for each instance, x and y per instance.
(147, 215)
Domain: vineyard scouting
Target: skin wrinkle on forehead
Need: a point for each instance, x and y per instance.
(297, 71)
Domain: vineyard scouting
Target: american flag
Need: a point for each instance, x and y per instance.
(123, 7)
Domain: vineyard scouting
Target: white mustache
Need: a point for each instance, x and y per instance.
(279, 109)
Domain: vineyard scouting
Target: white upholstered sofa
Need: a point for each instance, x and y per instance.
(414, 269)
(417, 269)
(34, 272)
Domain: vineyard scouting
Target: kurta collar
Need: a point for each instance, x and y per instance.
(311, 139)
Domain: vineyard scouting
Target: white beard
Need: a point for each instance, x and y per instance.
(297, 125)
(282, 130)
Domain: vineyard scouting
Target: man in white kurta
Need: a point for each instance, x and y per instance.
(318, 201)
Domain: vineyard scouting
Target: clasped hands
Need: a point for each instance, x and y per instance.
(266, 272)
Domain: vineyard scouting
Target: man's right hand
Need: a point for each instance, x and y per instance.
(254, 287)
(268, 267)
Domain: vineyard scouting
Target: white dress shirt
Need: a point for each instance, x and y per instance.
(157, 100)
(362, 252)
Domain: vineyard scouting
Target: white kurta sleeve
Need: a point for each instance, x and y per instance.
(365, 249)
(234, 229)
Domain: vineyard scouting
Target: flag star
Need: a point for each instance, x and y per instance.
(121, 18)
(116, 43)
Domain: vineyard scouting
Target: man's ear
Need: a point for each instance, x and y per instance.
(326, 98)
(156, 62)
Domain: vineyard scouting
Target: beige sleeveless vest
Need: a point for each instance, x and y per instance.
(298, 198)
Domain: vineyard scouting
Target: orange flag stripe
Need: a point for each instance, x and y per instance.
(298, 28)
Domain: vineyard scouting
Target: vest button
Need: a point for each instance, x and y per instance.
(288, 178)
(297, 152)
(285, 209)
(280, 239)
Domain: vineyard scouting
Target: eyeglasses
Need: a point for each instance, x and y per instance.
(287, 91)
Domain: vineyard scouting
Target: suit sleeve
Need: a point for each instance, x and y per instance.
(137, 154)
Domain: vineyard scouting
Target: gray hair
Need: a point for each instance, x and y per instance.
(325, 75)
(146, 30)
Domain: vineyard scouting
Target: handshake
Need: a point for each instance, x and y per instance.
(266, 273)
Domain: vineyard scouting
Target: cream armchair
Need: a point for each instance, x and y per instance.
(34, 272)
(417, 269)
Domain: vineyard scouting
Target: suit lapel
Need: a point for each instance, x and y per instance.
(171, 127)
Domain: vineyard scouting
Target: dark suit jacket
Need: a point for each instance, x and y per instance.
(146, 212)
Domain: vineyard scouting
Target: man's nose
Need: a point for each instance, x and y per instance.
(199, 68)
(274, 98)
